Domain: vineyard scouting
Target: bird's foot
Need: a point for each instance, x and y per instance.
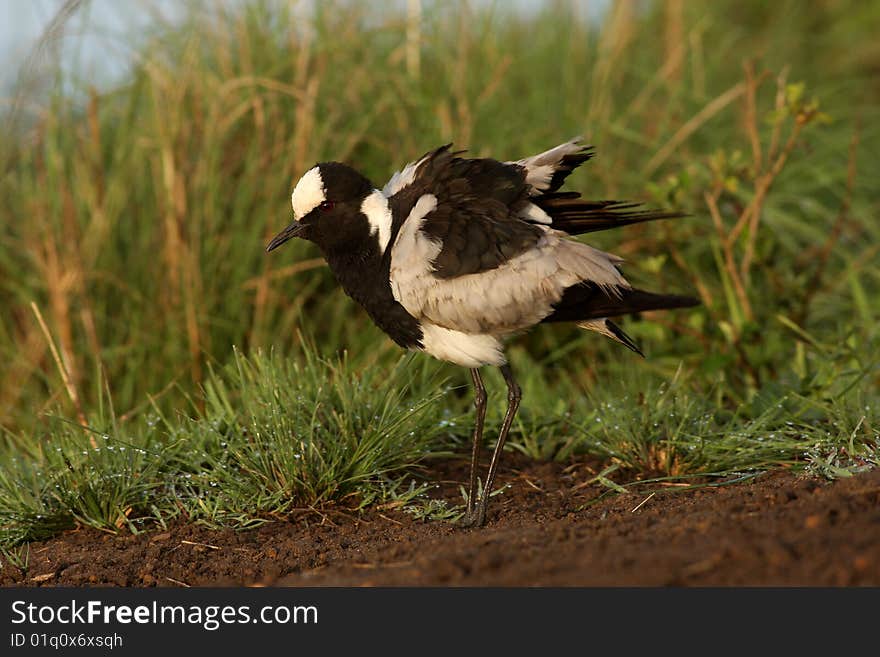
(475, 517)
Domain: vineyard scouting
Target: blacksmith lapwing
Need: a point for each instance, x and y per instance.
(456, 254)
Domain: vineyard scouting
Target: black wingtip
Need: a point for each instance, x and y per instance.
(623, 338)
(567, 165)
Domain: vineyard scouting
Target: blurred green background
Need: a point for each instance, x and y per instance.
(135, 208)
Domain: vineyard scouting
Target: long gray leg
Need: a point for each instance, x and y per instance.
(514, 395)
(480, 405)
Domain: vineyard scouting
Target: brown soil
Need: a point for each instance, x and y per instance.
(545, 529)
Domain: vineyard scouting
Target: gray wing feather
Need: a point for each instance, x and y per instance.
(545, 172)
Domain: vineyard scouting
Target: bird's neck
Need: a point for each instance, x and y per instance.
(356, 264)
(364, 275)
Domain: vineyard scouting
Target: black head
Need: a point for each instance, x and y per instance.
(327, 204)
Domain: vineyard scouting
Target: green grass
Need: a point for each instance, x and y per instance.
(132, 265)
(275, 434)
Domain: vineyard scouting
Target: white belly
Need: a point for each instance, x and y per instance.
(465, 349)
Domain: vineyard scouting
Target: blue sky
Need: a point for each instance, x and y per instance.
(99, 38)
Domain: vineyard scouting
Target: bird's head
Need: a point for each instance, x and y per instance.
(327, 203)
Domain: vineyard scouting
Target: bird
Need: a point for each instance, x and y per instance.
(455, 255)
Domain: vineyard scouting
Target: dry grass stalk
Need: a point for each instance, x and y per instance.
(616, 38)
(697, 59)
(413, 38)
(691, 126)
(765, 172)
(673, 40)
(62, 370)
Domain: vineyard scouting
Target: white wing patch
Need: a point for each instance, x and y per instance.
(536, 215)
(308, 194)
(378, 213)
(413, 251)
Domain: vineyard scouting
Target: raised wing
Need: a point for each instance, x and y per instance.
(507, 222)
(477, 215)
(466, 255)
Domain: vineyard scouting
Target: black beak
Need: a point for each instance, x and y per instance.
(295, 229)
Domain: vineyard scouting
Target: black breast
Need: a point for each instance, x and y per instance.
(365, 278)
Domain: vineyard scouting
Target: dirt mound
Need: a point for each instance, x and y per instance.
(544, 529)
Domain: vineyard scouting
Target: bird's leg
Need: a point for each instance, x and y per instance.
(480, 405)
(514, 394)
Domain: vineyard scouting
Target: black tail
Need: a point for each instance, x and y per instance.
(587, 301)
(575, 216)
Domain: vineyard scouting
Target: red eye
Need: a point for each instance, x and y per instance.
(326, 206)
